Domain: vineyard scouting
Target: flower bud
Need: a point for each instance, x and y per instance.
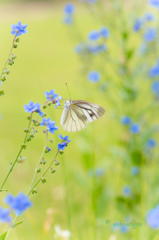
(51, 140)
(53, 170)
(28, 139)
(17, 39)
(50, 103)
(1, 92)
(61, 152)
(31, 135)
(34, 190)
(57, 163)
(21, 159)
(44, 106)
(3, 78)
(38, 170)
(13, 57)
(44, 114)
(6, 71)
(47, 149)
(28, 117)
(43, 180)
(43, 161)
(15, 45)
(10, 62)
(23, 146)
(26, 130)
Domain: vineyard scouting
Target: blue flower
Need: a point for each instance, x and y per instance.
(94, 35)
(68, 19)
(30, 108)
(135, 128)
(64, 138)
(51, 95)
(127, 191)
(151, 143)
(4, 215)
(149, 17)
(38, 110)
(19, 29)
(58, 102)
(138, 25)
(155, 88)
(19, 203)
(135, 170)
(124, 229)
(104, 32)
(154, 71)
(152, 217)
(126, 120)
(61, 146)
(47, 150)
(150, 35)
(51, 126)
(154, 3)
(69, 8)
(44, 121)
(94, 76)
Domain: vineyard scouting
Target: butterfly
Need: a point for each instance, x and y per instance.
(78, 113)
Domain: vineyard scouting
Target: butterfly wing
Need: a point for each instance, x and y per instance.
(73, 119)
(91, 111)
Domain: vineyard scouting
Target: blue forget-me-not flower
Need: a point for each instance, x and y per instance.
(152, 217)
(94, 76)
(19, 29)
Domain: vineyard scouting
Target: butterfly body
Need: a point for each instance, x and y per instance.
(78, 113)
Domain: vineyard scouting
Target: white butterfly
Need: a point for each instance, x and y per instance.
(78, 113)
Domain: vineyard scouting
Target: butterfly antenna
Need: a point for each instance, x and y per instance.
(68, 90)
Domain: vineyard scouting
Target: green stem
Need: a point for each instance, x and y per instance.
(38, 164)
(11, 168)
(8, 55)
(30, 189)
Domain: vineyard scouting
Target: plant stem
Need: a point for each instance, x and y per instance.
(21, 149)
(8, 55)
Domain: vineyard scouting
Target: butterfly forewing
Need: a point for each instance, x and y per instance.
(78, 113)
(91, 111)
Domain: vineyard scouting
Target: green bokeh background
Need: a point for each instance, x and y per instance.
(45, 61)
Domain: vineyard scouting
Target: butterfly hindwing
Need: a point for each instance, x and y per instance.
(91, 111)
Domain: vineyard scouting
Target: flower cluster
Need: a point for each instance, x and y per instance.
(69, 9)
(135, 128)
(18, 204)
(64, 142)
(18, 29)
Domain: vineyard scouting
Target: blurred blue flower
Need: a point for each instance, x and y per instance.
(104, 32)
(102, 47)
(51, 94)
(64, 138)
(135, 128)
(38, 110)
(47, 150)
(51, 126)
(149, 16)
(127, 191)
(4, 215)
(151, 143)
(154, 71)
(94, 35)
(69, 8)
(154, 3)
(68, 19)
(19, 203)
(138, 25)
(58, 102)
(100, 172)
(44, 121)
(30, 108)
(61, 146)
(126, 120)
(124, 229)
(94, 76)
(135, 170)
(150, 35)
(155, 87)
(152, 217)
(21, 29)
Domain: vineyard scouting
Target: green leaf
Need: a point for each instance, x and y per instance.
(3, 190)
(3, 236)
(16, 224)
